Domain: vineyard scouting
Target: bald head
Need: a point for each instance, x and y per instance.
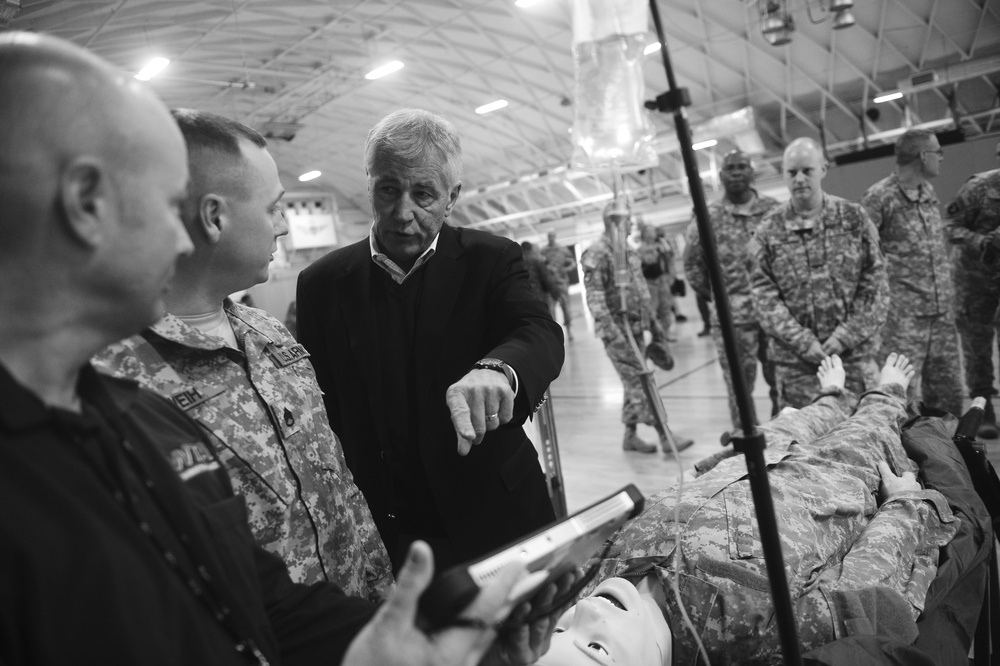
(92, 168)
(804, 168)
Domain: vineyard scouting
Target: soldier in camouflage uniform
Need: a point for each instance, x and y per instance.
(842, 551)
(561, 264)
(818, 281)
(656, 259)
(974, 227)
(242, 376)
(921, 321)
(734, 219)
(605, 302)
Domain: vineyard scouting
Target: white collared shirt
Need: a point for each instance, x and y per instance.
(397, 274)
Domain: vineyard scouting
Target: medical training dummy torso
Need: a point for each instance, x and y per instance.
(852, 566)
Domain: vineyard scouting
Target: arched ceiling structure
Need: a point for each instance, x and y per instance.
(295, 69)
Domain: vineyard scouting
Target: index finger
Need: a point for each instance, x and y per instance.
(884, 470)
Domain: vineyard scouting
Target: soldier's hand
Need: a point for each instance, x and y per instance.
(832, 346)
(893, 485)
(815, 353)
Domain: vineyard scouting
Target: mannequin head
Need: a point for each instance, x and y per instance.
(616, 624)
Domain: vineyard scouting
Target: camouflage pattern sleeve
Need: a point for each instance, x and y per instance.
(775, 316)
(598, 277)
(695, 268)
(961, 217)
(873, 203)
(870, 305)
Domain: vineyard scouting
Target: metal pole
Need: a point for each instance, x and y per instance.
(751, 443)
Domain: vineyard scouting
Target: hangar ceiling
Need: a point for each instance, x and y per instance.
(295, 69)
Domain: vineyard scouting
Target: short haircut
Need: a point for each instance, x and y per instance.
(215, 158)
(526, 246)
(208, 131)
(910, 144)
(410, 134)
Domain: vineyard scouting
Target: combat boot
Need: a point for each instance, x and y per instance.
(988, 428)
(680, 443)
(633, 442)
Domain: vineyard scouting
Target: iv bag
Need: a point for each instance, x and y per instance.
(611, 127)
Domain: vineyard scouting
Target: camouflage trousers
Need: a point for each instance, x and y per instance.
(560, 297)
(663, 301)
(636, 408)
(931, 344)
(751, 344)
(797, 384)
(977, 297)
(842, 552)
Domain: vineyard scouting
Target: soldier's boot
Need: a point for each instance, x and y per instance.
(633, 442)
(988, 428)
(679, 443)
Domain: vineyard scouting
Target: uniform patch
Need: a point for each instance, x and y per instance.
(285, 356)
(189, 460)
(194, 396)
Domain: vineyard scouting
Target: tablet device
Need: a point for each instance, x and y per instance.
(558, 548)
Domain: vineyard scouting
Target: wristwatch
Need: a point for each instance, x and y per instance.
(498, 365)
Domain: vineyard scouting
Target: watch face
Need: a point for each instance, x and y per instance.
(491, 363)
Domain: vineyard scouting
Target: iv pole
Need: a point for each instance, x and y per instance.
(751, 442)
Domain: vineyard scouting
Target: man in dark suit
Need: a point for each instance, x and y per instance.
(431, 351)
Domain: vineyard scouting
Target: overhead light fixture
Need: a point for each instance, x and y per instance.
(310, 175)
(492, 106)
(844, 19)
(841, 5)
(152, 68)
(888, 97)
(384, 70)
(526, 3)
(651, 48)
(701, 145)
(775, 23)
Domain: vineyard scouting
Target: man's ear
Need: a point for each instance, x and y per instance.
(212, 212)
(452, 197)
(86, 199)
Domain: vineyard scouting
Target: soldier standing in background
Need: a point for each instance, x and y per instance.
(240, 374)
(561, 263)
(921, 322)
(973, 222)
(538, 271)
(818, 281)
(657, 261)
(734, 219)
(605, 302)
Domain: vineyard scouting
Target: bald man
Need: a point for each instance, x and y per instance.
(818, 281)
(735, 218)
(108, 555)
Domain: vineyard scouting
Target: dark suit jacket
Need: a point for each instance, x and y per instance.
(476, 303)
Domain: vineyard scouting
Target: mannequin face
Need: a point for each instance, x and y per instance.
(614, 625)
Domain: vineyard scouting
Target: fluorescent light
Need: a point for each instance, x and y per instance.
(152, 68)
(385, 69)
(310, 175)
(887, 97)
(526, 3)
(651, 48)
(492, 106)
(705, 144)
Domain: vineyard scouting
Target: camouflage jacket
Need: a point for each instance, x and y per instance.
(560, 261)
(733, 231)
(603, 295)
(913, 243)
(265, 412)
(974, 221)
(812, 279)
(656, 256)
(841, 550)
